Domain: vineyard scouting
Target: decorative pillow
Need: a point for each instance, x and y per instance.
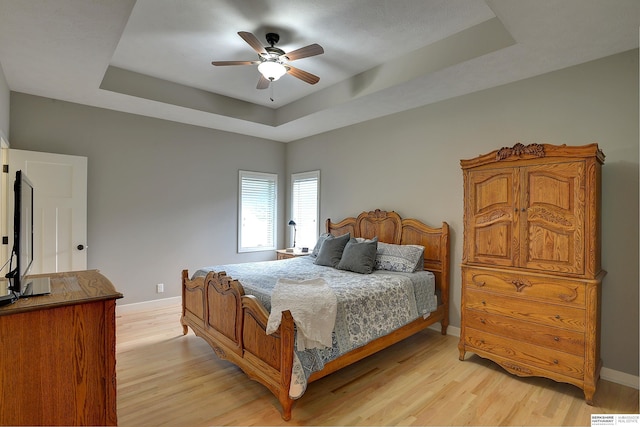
(402, 258)
(359, 257)
(321, 239)
(330, 252)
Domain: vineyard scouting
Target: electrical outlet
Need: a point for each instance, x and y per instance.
(160, 288)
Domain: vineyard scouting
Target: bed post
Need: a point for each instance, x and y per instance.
(287, 341)
(444, 286)
(185, 277)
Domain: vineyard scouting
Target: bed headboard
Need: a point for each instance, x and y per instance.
(391, 228)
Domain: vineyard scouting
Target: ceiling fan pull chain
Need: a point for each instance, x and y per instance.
(271, 90)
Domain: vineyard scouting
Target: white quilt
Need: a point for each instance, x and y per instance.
(313, 306)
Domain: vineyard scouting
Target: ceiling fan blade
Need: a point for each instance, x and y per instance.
(302, 75)
(219, 63)
(304, 52)
(253, 42)
(263, 83)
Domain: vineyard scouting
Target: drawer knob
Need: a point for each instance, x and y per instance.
(555, 361)
(557, 316)
(556, 338)
(482, 321)
(484, 302)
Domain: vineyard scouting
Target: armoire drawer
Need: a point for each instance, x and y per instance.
(556, 339)
(559, 316)
(549, 289)
(525, 353)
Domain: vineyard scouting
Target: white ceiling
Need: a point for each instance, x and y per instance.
(153, 57)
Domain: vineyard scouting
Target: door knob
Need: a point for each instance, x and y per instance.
(81, 247)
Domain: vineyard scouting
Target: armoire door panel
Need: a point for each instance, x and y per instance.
(550, 249)
(546, 189)
(493, 192)
(492, 217)
(493, 243)
(552, 234)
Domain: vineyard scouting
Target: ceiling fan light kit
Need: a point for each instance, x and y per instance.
(272, 70)
(273, 62)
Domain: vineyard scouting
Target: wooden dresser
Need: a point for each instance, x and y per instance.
(57, 354)
(531, 273)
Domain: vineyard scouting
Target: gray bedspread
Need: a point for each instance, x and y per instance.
(369, 305)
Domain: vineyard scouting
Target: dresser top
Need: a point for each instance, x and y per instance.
(68, 288)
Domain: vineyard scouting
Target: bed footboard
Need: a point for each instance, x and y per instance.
(216, 308)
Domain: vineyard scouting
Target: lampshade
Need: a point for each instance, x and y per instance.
(272, 70)
(292, 222)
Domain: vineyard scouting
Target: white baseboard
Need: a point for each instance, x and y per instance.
(605, 373)
(618, 377)
(147, 305)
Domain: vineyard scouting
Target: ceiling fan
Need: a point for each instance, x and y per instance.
(273, 62)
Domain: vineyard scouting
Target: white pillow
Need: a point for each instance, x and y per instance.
(401, 258)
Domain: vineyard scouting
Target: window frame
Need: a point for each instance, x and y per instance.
(272, 178)
(292, 212)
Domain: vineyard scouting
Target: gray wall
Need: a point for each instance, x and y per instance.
(410, 162)
(162, 196)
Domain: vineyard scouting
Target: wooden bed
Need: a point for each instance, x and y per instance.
(217, 310)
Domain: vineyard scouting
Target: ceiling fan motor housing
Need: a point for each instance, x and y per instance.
(272, 38)
(274, 52)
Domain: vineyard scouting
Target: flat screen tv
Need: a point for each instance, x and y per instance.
(22, 285)
(22, 251)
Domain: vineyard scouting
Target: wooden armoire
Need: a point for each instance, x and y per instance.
(531, 273)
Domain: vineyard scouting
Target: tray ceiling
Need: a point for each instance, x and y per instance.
(153, 57)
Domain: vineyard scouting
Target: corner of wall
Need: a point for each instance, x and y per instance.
(5, 95)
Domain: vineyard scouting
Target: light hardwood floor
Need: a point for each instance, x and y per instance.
(167, 379)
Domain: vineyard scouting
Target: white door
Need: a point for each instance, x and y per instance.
(59, 205)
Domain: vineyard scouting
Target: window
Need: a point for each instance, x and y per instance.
(305, 207)
(257, 211)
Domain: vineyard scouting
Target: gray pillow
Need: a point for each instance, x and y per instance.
(359, 257)
(321, 239)
(330, 252)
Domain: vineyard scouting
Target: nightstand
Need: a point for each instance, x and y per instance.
(283, 254)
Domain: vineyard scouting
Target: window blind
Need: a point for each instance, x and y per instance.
(305, 207)
(257, 211)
